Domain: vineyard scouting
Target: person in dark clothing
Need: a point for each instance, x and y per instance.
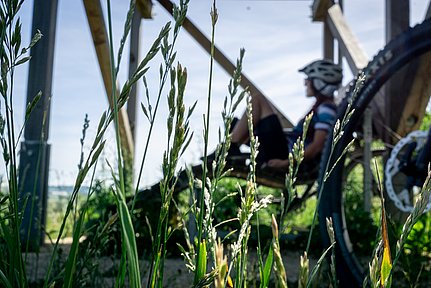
(323, 78)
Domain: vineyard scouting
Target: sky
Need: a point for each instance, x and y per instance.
(279, 37)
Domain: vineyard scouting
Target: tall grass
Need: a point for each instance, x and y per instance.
(382, 264)
(209, 258)
(12, 54)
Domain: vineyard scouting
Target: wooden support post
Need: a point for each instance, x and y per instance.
(97, 25)
(328, 42)
(397, 21)
(319, 13)
(340, 54)
(319, 9)
(419, 93)
(368, 176)
(34, 159)
(357, 59)
(221, 59)
(145, 8)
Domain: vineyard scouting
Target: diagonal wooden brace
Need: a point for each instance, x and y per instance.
(97, 25)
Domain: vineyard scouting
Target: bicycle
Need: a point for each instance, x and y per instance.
(400, 51)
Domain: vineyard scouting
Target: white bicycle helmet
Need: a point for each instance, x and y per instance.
(324, 70)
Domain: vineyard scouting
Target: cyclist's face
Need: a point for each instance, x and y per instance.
(309, 92)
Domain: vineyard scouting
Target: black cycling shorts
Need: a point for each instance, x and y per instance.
(272, 141)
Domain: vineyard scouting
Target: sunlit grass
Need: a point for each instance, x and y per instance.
(242, 208)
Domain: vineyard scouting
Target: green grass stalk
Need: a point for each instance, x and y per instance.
(69, 279)
(169, 55)
(178, 139)
(337, 134)
(12, 56)
(249, 207)
(95, 151)
(214, 16)
(209, 187)
(418, 210)
(279, 270)
(129, 246)
(70, 269)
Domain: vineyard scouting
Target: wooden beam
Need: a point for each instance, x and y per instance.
(419, 94)
(348, 43)
(396, 90)
(328, 43)
(340, 55)
(97, 25)
(145, 8)
(397, 17)
(221, 59)
(319, 8)
(417, 99)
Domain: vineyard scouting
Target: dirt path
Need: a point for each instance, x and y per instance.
(176, 273)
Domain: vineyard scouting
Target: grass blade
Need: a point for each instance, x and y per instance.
(73, 254)
(266, 272)
(386, 266)
(129, 242)
(202, 264)
(4, 280)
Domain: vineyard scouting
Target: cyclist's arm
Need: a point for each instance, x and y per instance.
(278, 163)
(315, 148)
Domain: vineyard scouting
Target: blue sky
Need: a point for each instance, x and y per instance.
(278, 36)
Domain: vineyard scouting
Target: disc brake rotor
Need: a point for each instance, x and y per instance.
(402, 197)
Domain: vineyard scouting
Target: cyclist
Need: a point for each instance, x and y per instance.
(323, 78)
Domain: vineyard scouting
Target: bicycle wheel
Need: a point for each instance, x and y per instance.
(360, 213)
(394, 56)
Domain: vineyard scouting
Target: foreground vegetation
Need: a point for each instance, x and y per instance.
(210, 258)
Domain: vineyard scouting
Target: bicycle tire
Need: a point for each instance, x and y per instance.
(401, 50)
